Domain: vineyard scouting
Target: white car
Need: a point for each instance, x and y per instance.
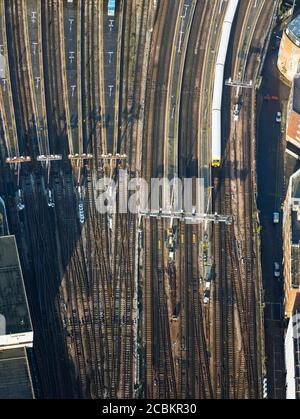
(275, 217)
(276, 270)
(278, 117)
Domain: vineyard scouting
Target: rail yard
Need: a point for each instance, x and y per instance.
(97, 95)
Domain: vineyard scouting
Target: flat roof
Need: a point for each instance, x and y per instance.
(295, 268)
(296, 94)
(295, 192)
(295, 228)
(293, 30)
(14, 312)
(15, 377)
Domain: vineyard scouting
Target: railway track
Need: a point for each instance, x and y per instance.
(236, 276)
(53, 79)
(181, 346)
(197, 375)
(90, 82)
(156, 90)
(6, 98)
(21, 80)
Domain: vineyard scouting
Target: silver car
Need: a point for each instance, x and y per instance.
(276, 270)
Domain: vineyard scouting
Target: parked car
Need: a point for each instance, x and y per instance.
(276, 270)
(278, 117)
(275, 217)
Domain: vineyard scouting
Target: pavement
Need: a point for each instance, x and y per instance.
(274, 167)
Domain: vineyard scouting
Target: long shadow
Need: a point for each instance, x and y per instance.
(44, 255)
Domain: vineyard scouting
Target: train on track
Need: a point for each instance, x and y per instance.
(111, 7)
(216, 148)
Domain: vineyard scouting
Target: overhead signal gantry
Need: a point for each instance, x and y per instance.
(16, 163)
(79, 159)
(188, 216)
(47, 159)
(113, 158)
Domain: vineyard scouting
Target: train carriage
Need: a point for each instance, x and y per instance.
(111, 7)
(218, 84)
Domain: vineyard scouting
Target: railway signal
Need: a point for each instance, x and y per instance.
(112, 158)
(188, 216)
(48, 158)
(79, 159)
(239, 84)
(16, 162)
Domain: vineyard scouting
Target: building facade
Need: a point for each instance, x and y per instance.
(293, 114)
(289, 51)
(291, 244)
(292, 356)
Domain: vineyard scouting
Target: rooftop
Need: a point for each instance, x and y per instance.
(14, 312)
(295, 266)
(292, 356)
(15, 378)
(295, 207)
(296, 94)
(293, 30)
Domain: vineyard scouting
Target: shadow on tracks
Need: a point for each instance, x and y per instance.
(46, 240)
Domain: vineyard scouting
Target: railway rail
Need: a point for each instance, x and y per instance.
(129, 314)
(237, 287)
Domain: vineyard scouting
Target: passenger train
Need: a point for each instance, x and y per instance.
(218, 83)
(111, 7)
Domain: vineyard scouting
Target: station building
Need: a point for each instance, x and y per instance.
(16, 334)
(289, 51)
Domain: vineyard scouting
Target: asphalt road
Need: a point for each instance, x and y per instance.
(271, 193)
